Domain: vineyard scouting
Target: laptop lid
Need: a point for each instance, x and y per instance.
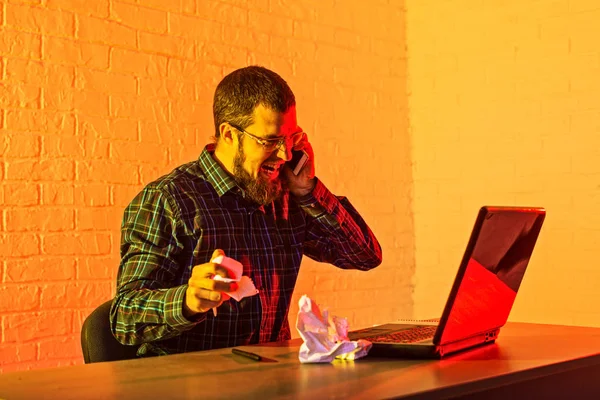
(491, 272)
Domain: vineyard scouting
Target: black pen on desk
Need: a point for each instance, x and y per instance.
(246, 354)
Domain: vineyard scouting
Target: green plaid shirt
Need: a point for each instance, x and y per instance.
(178, 221)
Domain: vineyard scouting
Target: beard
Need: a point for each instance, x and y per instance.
(259, 190)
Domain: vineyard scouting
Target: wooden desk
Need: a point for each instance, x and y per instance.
(529, 360)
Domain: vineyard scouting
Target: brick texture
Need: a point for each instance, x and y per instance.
(419, 112)
(504, 111)
(100, 97)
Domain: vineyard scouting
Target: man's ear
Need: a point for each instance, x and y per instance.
(226, 133)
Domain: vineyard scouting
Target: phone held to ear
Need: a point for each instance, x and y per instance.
(299, 158)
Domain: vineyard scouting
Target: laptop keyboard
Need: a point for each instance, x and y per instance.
(411, 335)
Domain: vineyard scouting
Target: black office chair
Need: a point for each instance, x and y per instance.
(97, 341)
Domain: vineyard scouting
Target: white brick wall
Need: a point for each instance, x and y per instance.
(100, 97)
(504, 110)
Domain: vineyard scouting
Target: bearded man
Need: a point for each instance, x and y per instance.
(240, 199)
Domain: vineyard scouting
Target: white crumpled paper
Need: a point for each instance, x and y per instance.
(325, 337)
(245, 285)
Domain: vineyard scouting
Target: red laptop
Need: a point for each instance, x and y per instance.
(482, 295)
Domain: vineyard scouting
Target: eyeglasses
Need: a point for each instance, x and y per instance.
(273, 144)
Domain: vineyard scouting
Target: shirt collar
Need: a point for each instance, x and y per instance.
(215, 174)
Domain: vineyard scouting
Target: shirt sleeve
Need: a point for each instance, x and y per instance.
(148, 305)
(336, 233)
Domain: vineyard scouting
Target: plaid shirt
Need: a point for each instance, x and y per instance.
(178, 221)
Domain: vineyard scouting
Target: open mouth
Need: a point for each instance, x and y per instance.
(270, 170)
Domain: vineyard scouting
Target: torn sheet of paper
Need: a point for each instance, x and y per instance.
(246, 287)
(325, 337)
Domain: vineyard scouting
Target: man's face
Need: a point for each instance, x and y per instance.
(257, 169)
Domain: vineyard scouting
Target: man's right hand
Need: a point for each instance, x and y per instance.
(203, 292)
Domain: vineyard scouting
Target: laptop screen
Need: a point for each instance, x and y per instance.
(491, 272)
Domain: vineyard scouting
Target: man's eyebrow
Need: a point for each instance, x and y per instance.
(273, 136)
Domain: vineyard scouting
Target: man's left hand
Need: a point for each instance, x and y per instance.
(303, 183)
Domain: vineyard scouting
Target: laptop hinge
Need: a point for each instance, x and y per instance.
(482, 338)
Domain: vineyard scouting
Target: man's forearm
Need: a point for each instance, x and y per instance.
(146, 315)
(337, 233)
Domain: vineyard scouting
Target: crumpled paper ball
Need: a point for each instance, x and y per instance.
(325, 337)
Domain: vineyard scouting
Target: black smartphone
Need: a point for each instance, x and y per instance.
(299, 158)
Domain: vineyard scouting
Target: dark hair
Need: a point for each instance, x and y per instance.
(240, 92)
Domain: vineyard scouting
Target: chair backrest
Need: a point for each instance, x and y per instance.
(97, 341)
